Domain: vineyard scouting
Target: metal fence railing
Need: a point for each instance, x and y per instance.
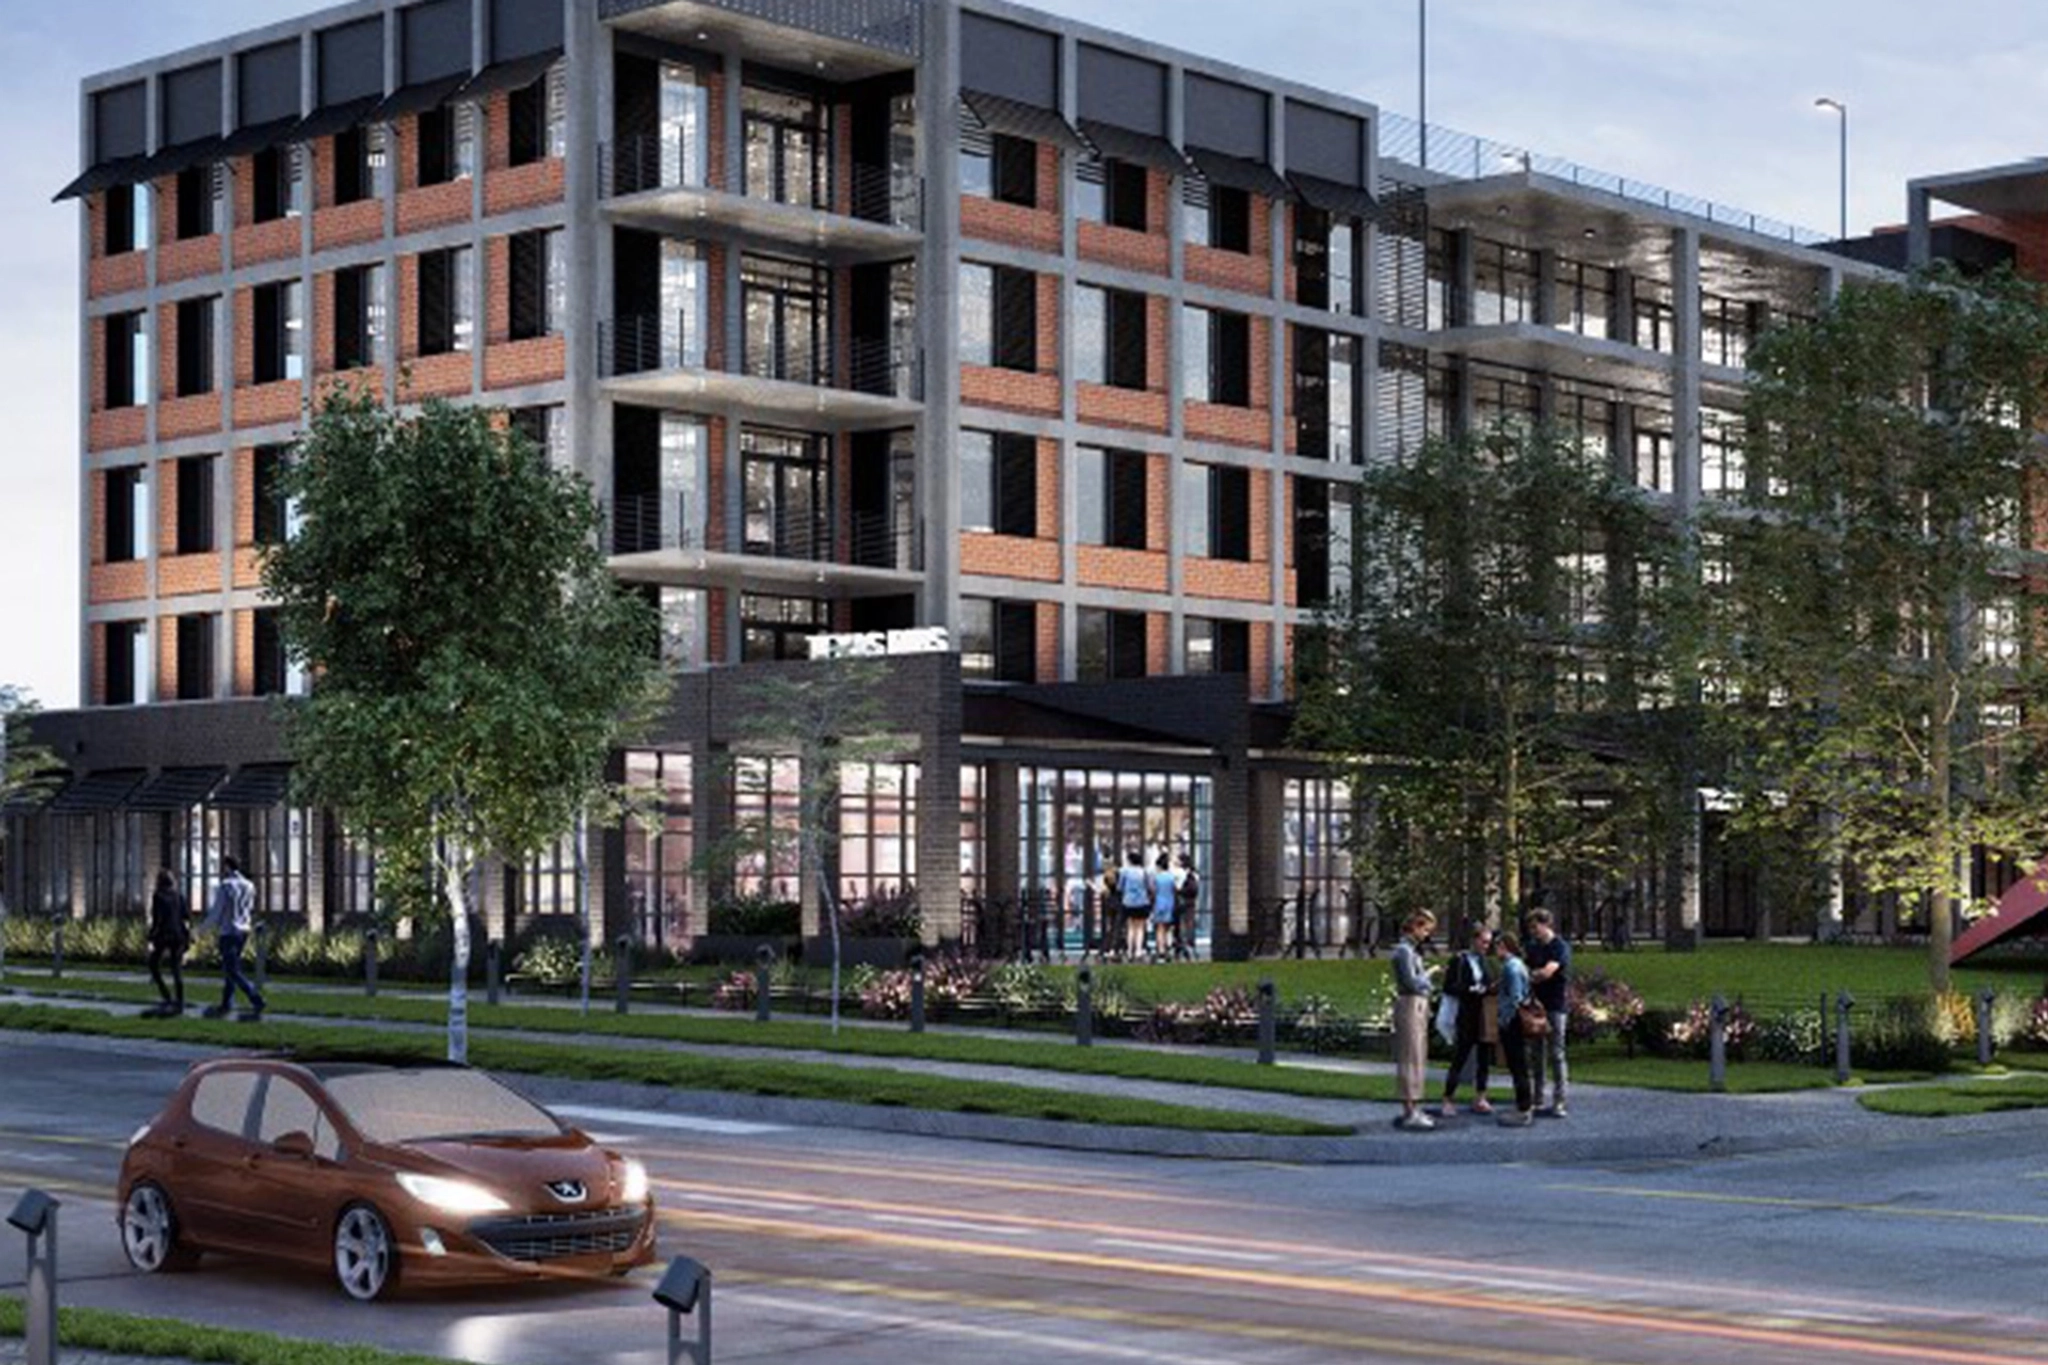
(1464, 156)
(890, 195)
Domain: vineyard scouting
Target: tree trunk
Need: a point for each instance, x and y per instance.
(455, 883)
(1940, 778)
(1511, 835)
(583, 905)
(814, 862)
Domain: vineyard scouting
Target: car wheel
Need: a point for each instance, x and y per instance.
(365, 1260)
(149, 1232)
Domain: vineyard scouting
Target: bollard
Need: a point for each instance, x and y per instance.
(57, 948)
(370, 963)
(1844, 1002)
(764, 964)
(1084, 1008)
(622, 971)
(1984, 1047)
(917, 992)
(1717, 1047)
(493, 981)
(35, 1214)
(1269, 1027)
(685, 1291)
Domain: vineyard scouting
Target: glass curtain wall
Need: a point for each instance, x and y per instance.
(1076, 825)
(766, 810)
(877, 832)
(1316, 864)
(659, 850)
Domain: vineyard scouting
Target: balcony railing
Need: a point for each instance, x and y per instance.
(644, 523)
(892, 196)
(650, 343)
(653, 343)
(870, 540)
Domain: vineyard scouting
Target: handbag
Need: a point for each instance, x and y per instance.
(1533, 1019)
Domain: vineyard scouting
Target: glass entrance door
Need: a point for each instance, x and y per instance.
(786, 149)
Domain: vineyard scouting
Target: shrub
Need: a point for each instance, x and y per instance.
(107, 938)
(756, 917)
(882, 917)
(887, 996)
(1901, 1034)
(1601, 1006)
(26, 935)
(1024, 988)
(952, 978)
(735, 992)
(1318, 1026)
(2035, 1029)
(1690, 1034)
(1171, 1021)
(1229, 1012)
(1796, 1036)
(552, 961)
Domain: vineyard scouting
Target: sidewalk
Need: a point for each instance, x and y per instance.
(1606, 1123)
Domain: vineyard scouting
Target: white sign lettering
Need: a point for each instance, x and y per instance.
(877, 644)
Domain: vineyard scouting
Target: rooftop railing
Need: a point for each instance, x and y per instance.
(1463, 156)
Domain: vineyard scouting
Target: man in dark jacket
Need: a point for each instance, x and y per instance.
(169, 936)
(1469, 986)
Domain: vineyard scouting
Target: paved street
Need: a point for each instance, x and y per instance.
(855, 1248)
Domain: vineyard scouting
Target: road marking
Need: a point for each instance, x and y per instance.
(1809, 1205)
(951, 1225)
(63, 1139)
(1175, 1249)
(103, 1193)
(1669, 1322)
(689, 1123)
(1067, 1189)
(734, 1201)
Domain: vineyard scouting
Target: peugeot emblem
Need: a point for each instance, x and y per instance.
(568, 1191)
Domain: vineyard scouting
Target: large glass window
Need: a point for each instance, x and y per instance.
(127, 517)
(1584, 299)
(116, 883)
(1076, 825)
(780, 627)
(1655, 458)
(1503, 284)
(999, 483)
(685, 124)
(766, 818)
(1726, 328)
(280, 860)
(787, 494)
(1722, 474)
(877, 831)
(786, 142)
(1655, 321)
(660, 842)
(788, 319)
(1110, 328)
(547, 884)
(1110, 496)
(1316, 863)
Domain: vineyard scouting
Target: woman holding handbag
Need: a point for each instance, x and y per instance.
(1516, 1026)
(1467, 984)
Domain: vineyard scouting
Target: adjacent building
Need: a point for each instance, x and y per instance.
(868, 319)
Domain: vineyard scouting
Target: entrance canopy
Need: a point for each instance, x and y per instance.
(2023, 906)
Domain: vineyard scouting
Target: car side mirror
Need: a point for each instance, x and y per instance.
(294, 1144)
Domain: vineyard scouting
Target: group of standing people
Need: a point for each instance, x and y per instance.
(231, 915)
(1498, 997)
(1163, 898)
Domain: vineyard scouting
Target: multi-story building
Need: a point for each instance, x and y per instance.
(863, 316)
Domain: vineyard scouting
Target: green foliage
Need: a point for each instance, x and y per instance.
(553, 960)
(756, 917)
(477, 663)
(125, 1334)
(1503, 654)
(1882, 693)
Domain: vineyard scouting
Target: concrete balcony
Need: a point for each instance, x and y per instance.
(657, 361)
(660, 538)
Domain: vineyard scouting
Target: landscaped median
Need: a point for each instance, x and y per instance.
(95, 1329)
(1955, 1099)
(684, 1071)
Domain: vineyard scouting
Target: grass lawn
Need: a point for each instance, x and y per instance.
(684, 1071)
(2025, 1090)
(95, 1329)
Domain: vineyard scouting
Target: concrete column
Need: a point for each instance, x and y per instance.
(1685, 387)
(1279, 527)
(1233, 854)
(1070, 83)
(1176, 383)
(938, 288)
(1003, 876)
(1919, 229)
(938, 812)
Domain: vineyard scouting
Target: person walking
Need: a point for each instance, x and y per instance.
(1411, 1020)
(1134, 895)
(1187, 906)
(1468, 983)
(1550, 971)
(1513, 989)
(170, 935)
(232, 915)
(1164, 894)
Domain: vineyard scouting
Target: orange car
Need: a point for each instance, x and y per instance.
(416, 1175)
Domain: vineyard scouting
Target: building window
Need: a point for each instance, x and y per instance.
(1217, 646)
(1109, 490)
(1326, 260)
(195, 657)
(1109, 645)
(126, 211)
(780, 627)
(360, 329)
(1655, 322)
(537, 125)
(1112, 192)
(116, 884)
(1215, 512)
(547, 427)
(660, 850)
(197, 322)
(998, 166)
(126, 528)
(127, 662)
(1503, 284)
(278, 187)
(280, 848)
(1726, 327)
(1216, 357)
(1325, 396)
(1218, 216)
(998, 317)
(447, 301)
(786, 139)
(998, 640)
(127, 360)
(1584, 299)
(198, 201)
(195, 505)
(1323, 567)
(877, 831)
(1655, 461)
(1110, 342)
(539, 284)
(786, 499)
(1998, 632)
(1316, 853)
(275, 515)
(276, 673)
(767, 816)
(280, 332)
(447, 150)
(999, 483)
(358, 157)
(1721, 468)
(788, 311)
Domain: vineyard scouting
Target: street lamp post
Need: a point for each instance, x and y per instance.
(1842, 113)
(1422, 74)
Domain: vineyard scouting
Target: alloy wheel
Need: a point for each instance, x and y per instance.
(362, 1253)
(146, 1231)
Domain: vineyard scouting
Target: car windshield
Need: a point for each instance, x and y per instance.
(415, 1106)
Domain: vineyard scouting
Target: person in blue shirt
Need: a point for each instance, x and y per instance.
(1513, 990)
(1162, 907)
(1134, 895)
(1550, 972)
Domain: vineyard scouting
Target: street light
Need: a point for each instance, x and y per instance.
(1422, 74)
(1841, 110)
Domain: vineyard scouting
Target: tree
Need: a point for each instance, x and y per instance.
(1875, 625)
(475, 662)
(28, 772)
(1497, 677)
(825, 716)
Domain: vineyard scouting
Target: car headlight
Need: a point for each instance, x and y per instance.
(450, 1196)
(140, 1134)
(632, 1182)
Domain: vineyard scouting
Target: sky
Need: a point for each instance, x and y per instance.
(1712, 98)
